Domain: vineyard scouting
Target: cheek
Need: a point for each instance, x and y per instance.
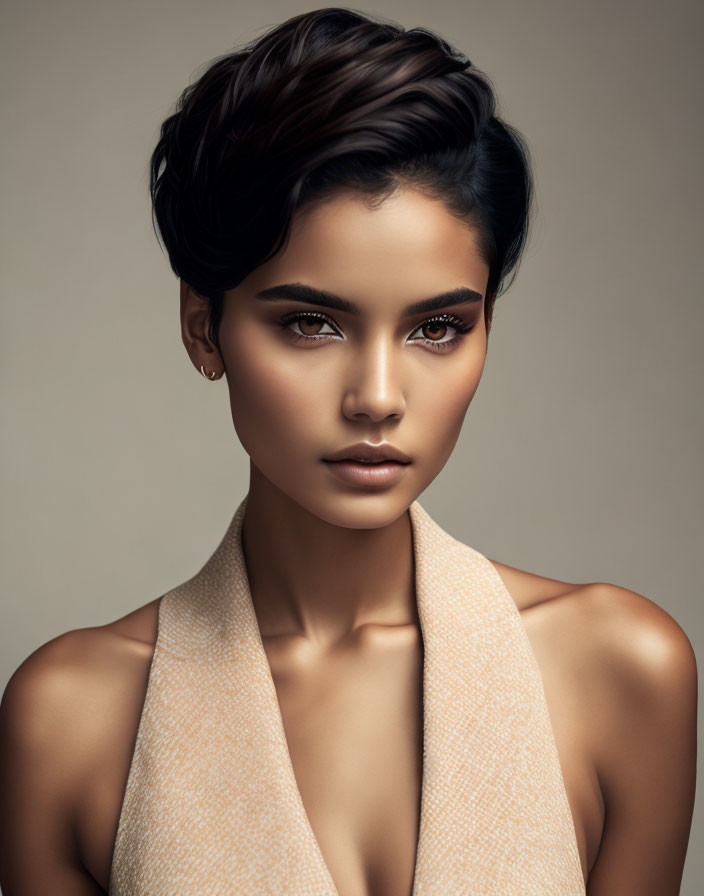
(269, 399)
(442, 404)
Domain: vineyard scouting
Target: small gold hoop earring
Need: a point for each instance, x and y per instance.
(208, 376)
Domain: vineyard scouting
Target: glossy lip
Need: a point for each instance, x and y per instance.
(365, 451)
(368, 475)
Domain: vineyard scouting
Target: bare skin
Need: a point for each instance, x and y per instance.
(330, 569)
(77, 701)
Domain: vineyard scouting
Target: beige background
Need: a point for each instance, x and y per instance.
(581, 455)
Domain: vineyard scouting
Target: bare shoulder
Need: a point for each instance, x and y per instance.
(61, 692)
(77, 664)
(622, 631)
(61, 710)
(641, 686)
(632, 669)
(631, 656)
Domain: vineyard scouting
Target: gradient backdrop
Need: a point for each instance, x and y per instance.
(581, 455)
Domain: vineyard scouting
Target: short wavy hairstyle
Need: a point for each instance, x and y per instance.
(331, 100)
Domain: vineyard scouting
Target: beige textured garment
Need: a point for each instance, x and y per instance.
(212, 805)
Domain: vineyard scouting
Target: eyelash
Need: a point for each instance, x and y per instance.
(457, 323)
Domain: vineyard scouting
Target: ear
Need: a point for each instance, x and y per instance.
(194, 333)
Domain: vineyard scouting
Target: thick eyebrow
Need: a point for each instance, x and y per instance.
(301, 292)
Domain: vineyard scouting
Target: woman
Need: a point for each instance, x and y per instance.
(345, 699)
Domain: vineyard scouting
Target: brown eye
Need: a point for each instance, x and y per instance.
(304, 326)
(433, 327)
(434, 332)
(309, 325)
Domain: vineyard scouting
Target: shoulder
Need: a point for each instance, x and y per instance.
(641, 687)
(632, 672)
(628, 655)
(57, 697)
(640, 671)
(639, 644)
(61, 710)
(630, 633)
(67, 678)
(632, 656)
(637, 655)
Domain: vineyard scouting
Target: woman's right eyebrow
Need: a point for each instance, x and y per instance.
(301, 292)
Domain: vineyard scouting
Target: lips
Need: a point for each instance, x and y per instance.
(368, 474)
(366, 453)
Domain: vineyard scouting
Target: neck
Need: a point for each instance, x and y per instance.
(311, 578)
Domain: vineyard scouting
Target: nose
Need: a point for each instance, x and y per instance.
(373, 388)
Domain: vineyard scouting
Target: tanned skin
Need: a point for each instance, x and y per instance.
(330, 569)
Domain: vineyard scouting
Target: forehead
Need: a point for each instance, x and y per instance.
(408, 246)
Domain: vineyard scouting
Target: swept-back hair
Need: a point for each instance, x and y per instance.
(330, 100)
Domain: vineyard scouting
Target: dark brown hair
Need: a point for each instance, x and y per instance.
(331, 100)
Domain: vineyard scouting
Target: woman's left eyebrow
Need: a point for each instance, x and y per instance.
(301, 292)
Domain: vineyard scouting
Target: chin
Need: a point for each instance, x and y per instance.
(360, 508)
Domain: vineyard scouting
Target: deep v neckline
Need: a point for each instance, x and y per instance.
(286, 761)
(212, 803)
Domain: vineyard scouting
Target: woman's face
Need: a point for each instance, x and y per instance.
(308, 378)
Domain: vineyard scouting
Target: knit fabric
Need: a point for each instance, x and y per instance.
(212, 805)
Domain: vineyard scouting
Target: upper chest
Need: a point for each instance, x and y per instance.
(354, 726)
